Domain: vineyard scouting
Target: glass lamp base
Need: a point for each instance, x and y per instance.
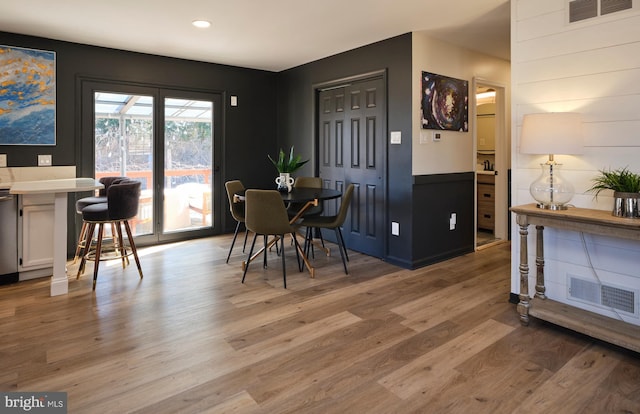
(551, 191)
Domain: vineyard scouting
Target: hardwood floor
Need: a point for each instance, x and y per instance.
(191, 338)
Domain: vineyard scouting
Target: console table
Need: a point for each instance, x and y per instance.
(581, 220)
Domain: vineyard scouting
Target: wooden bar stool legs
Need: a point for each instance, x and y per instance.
(95, 254)
(84, 248)
(134, 251)
(81, 241)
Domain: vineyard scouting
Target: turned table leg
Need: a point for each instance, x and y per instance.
(523, 305)
(540, 289)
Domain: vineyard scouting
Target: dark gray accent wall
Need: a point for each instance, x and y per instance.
(421, 205)
(435, 198)
(249, 130)
(296, 121)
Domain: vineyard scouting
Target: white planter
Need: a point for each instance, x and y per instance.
(285, 182)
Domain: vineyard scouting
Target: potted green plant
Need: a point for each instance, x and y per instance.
(625, 185)
(285, 166)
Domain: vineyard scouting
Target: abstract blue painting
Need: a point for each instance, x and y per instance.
(27, 96)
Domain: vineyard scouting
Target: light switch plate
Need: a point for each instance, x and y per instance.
(396, 137)
(395, 228)
(44, 160)
(3, 160)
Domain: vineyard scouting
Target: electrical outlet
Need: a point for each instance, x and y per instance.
(452, 221)
(44, 160)
(395, 228)
(3, 160)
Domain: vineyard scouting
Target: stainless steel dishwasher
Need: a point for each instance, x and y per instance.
(8, 237)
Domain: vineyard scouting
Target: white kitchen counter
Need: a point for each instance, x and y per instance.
(65, 185)
(11, 175)
(60, 188)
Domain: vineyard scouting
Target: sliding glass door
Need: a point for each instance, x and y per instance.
(188, 164)
(123, 142)
(168, 140)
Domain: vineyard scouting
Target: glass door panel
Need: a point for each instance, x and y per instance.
(188, 164)
(169, 140)
(123, 137)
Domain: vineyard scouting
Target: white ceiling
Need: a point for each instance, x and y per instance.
(262, 34)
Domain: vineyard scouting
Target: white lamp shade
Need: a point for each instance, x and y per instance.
(552, 133)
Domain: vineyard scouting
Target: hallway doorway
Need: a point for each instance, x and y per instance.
(492, 163)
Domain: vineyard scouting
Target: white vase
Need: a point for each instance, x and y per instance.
(285, 182)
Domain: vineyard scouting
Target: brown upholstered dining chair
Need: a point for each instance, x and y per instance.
(266, 215)
(309, 182)
(237, 211)
(294, 208)
(333, 223)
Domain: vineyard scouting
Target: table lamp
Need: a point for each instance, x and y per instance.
(551, 133)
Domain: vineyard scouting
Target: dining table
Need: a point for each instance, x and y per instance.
(305, 196)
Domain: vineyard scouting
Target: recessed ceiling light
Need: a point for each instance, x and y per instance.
(202, 24)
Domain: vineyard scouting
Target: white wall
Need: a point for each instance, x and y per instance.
(591, 67)
(455, 152)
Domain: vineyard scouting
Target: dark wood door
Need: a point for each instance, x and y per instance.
(352, 150)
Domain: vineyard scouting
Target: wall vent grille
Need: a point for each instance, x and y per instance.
(618, 298)
(612, 6)
(587, 9)
(582, 9)
(605, 296)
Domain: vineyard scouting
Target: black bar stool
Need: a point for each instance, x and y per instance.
(87, 201)
(123, 198)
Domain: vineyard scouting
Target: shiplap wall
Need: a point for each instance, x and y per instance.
(591, 67)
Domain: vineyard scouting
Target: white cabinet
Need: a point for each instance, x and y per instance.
(35, 235)
(486, 126)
